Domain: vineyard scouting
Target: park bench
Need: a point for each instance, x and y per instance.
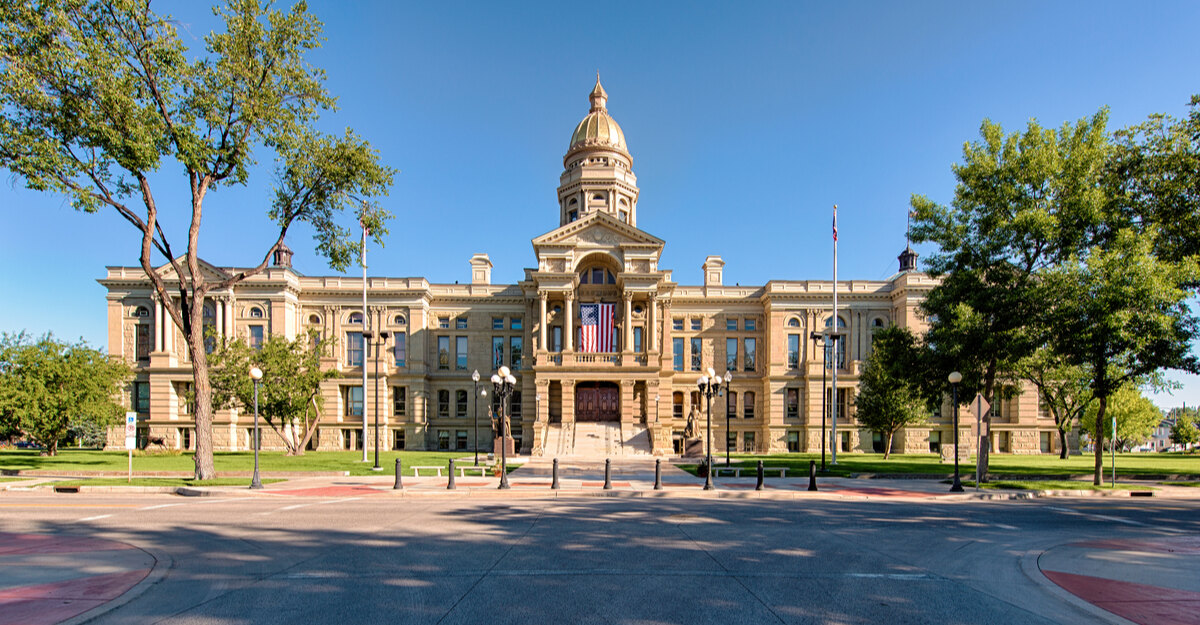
(462, 471)
(737, 471)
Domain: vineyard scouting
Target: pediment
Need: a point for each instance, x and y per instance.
(209, 271)
(598, 229)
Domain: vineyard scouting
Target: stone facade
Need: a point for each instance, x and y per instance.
(666, 336)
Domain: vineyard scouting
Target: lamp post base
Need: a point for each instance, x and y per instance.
(957, 486)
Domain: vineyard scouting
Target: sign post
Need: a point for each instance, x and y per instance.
(130, 439)
(979, 406)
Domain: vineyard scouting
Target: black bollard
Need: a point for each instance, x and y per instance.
(607, 474)
(812, 475)
(554, 476)
(450, 485)
(759, 486)
(658, 474)
(398, 485)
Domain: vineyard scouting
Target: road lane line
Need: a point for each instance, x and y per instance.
(313, 503)
(96, 518)
(1099, 517)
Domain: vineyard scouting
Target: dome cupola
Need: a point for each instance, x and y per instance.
(598, 128)
(597, 169)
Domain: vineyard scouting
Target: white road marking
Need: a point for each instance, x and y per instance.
(1005, 527)
(165, 505)
(94, 518)
(1099, 517)
(314, 503)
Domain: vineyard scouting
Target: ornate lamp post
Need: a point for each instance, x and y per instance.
(367, 337)
(256, 375)
(824, 338)
(954, 378)
(708, 385)
(475, 411)
(502, 384)
(725, 391)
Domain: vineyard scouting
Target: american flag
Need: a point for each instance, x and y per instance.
(596, 324)
(835, 223)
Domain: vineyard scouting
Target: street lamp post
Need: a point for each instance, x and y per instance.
(256, 374)
(708, 385)
(825, 342)
(954, 378)
(502, 384)
(367, 337)
(728, 378)
(475, 412)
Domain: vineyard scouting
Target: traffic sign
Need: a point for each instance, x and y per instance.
(130, 430)
(979, 405)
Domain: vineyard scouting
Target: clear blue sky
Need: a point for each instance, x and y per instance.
(746, 121)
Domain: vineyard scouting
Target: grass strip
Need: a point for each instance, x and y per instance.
(160, 481)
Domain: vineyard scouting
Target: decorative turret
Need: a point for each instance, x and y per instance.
(908, 259)
(282, 256)
(598, 173)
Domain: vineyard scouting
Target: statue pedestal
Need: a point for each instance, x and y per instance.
(508, 446)
(693, 448)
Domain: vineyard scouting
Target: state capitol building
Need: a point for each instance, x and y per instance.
(606, 347)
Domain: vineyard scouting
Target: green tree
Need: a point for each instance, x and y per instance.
(889, 393)
(290, 391)
(1136, 416)
(99, 94)
(1023, 203)
(1184, 431)
(1122, 314)
(1062, 388)
(47, 386)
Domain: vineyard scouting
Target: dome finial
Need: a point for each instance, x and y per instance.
(598, 96)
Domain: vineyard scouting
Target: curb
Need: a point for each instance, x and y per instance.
(162, 564)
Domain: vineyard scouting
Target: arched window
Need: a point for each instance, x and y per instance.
(597, 275)
(256, 312)
(355, 318)
(793, 323)
(314, 319)
(878, 323)
(841, 344)
(141, 311)
(399, 320)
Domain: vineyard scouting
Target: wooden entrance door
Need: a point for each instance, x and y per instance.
(597, 401)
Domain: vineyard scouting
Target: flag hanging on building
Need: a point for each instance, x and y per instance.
(596, 327)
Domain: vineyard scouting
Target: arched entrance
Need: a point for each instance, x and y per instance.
(597, 401)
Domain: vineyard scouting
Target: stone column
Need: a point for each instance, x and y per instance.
(628, 339)
(651, 329)
(569, 327)
(568, 401)
(542, 297)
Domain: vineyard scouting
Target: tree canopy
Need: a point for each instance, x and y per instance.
(48, 386)
(1136, 416)
(102, 101)
(889, 393)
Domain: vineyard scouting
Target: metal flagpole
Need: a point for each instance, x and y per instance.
(363, 261)
(833, 405)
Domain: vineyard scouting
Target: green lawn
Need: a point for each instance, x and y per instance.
(1192, 484)
(161, 481)
(999, 464)
(84, 460)
(1052, 485)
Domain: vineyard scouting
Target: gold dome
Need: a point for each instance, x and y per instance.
(598, 129)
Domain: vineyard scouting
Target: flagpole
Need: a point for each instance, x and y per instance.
(363, 261)
(833, 445)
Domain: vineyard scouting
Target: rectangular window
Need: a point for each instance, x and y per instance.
(695, 325)
(697, 350)
(399, 401)
(748, 404)
(443, 404)
(256, 337)
(184, 399)
(514, 323)
(460, 353)
(748, 441)
(352, 400)
(749, 353)
(750, 324)
(140, 397)
(143, 341)
(400, 349)
(460, 440)
(444, 323)
(516, 348)
(731, 325)
(677, 405)
(497, 351)
(398, 438)
(460, 403)
(793, 354)
(443, 440)
(845, 441)
(354, 349)
(514, 405)
(731, 403)
(443, 343)
(460, 323)
(637, 339)
(793, 442)
(731, 354)
(497, 323)
(556, 339)
(843, 401)
(731, 440)
(935, 441)
(677, 324)
(792, 403)
(347, 438)
(677, 347)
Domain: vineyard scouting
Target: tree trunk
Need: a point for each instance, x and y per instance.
(887, 449)
(985, 446)
(1065, 451)
(1098, 434)
(203, 391)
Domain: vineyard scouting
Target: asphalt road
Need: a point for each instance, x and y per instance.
(376, 559)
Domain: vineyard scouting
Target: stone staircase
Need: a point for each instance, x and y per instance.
(596, 440)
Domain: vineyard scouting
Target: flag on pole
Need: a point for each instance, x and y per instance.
(835, 223)
(596, 327)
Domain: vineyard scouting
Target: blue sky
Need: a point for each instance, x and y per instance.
(746, 121)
